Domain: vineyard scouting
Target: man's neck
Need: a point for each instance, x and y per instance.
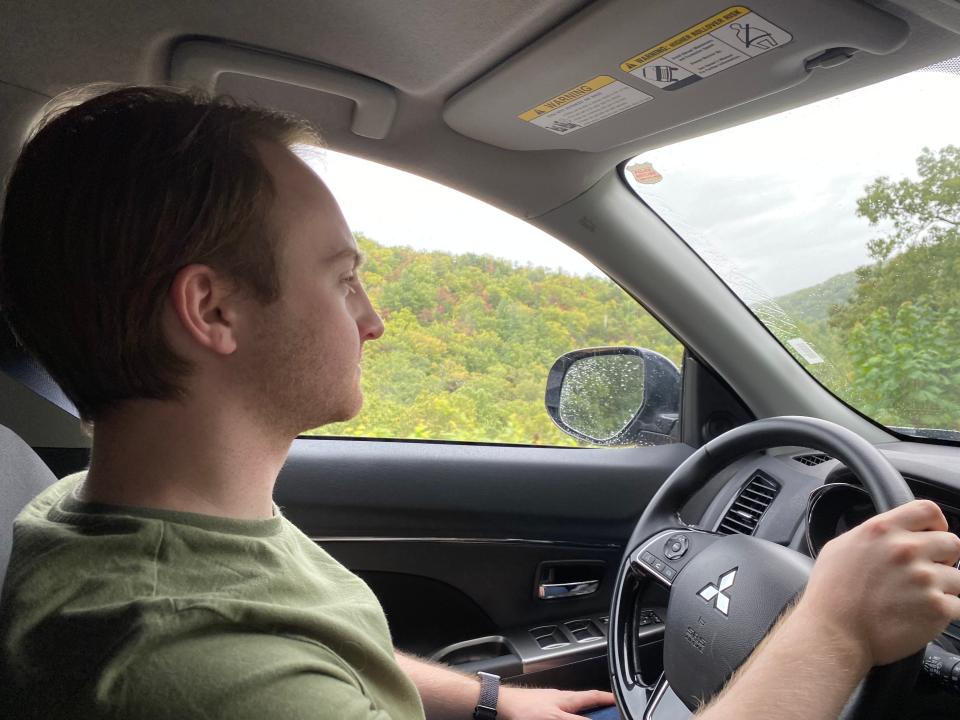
(165, 455)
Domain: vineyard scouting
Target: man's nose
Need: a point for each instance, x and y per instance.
(374, 328)
(369, 323)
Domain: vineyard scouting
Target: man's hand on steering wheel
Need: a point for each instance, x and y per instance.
(888, 586)
(849, 648)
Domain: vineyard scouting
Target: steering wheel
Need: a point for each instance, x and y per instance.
(727, 591)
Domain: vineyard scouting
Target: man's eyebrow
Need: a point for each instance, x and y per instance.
(358, 257)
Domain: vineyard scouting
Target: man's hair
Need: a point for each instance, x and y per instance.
(115, 191)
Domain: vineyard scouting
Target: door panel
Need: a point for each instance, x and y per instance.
(497, 578)
(453, 537)
(368, 488)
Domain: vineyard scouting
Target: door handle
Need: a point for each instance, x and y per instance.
(555, 591)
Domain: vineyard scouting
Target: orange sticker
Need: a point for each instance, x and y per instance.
(645, 174)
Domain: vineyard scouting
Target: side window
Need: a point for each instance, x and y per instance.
(478, 306)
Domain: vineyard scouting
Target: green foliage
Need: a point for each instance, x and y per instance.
(922, 211)
(893, 343)
(908, 368)
(814, 303)
(920, 256)
(470, 339)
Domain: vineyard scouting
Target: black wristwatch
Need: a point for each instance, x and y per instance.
(486, 708)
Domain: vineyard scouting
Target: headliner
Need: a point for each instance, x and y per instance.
(428, 50)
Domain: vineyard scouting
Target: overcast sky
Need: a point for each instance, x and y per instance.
(397, 208)
(775, 199)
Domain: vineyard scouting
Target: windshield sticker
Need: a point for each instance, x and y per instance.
(719, 42)
(805, 351)
(644, 173)
(585, 104)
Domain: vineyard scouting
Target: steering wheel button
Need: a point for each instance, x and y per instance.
(676, 547)
(669, 573)
(658, 565)
(648, 558)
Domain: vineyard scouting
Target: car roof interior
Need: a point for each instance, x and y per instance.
(461, 72)
(437, 87)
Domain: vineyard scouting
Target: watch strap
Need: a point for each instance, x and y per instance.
(486, 708)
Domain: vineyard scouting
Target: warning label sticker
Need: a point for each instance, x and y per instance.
(584, 105)
(719, 42)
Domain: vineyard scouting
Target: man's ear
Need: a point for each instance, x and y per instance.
(204, 304)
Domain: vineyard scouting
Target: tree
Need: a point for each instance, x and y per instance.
(901, 326)
(924, 211)
(920, 255)
(908, 368)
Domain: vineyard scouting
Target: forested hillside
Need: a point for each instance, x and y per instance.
(469, 341)
(814, 303)
(470, 338)
(893, 346)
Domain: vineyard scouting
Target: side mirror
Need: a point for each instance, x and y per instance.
(615, 396)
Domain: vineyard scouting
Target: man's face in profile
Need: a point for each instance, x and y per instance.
(302, 362)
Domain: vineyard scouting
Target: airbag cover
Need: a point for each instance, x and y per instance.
(722, 604)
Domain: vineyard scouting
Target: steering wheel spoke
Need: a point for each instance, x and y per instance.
(664, 555)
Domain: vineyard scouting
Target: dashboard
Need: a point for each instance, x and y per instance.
(801, 498)
(818, 498)
(841, 505)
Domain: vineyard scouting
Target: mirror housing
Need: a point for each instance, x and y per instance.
(656, 417)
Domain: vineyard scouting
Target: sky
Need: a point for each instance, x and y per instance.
(397, 208)
(774, 201)
(771, 203)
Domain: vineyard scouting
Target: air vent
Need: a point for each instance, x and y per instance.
(752, 502)
(812, 459)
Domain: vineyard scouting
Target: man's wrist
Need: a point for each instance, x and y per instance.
(815, 630)
(486, 708)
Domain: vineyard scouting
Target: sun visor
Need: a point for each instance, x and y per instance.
(272, 80)
(622, 70)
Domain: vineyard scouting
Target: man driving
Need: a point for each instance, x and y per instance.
(193, 287)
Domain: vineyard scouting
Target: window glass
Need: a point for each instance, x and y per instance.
(838, 224)
(477, 307)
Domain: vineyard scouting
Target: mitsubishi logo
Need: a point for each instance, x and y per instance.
(716, 594)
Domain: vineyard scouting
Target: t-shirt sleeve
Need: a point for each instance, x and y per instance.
(244, 676)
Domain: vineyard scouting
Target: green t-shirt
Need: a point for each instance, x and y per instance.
(112, 612)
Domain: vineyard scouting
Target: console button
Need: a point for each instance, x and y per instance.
(676, 546)
(648, 617)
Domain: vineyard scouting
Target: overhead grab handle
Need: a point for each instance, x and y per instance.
(200, 63)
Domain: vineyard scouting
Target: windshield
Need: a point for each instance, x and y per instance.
(838, 224)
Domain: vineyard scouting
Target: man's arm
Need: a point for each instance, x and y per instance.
(451, 695)
(896, 565)
(799, 671)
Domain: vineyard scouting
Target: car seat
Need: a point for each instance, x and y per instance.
(22, 476)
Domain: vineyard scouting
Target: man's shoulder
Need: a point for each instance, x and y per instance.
(54, 547)
(38, 509)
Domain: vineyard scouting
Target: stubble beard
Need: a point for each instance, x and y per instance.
(292, 388)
